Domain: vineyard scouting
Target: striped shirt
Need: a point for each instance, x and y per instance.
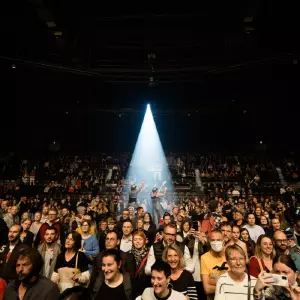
(227, 289)
(185, 284)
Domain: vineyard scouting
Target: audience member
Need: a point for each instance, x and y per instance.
(30, 285)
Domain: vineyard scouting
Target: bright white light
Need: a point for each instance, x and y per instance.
(260, 142)
(148, 160)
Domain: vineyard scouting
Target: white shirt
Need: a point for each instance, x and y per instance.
(196, 262)
(148, 294)
(227, 289)
(126, 244)
(235, 193)
(254, 231)
(188, 262)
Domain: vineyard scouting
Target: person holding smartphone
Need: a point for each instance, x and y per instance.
(278, 287)
(196, 241)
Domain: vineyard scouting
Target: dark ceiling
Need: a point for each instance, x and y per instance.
(179, 46)
(231, 62)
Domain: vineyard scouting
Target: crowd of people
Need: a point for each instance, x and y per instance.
(229, 244)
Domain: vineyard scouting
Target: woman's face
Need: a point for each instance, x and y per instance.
(282, 269)
(140, 224)
(111, 226)
(237, 262)
(85, 227)
(172, 259)
(26, 225)
(138, 242)
(37, 217)
(258, 211)
(186, 227)
(25, 215)
(266, 246)
(70, 243)
(263, 220)
(146, 218)
(245, 235)
(110, 267)
(235, 233)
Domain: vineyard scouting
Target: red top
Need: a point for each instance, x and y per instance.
(2, 288)
(254, 268)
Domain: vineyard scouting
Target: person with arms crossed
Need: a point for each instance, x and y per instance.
(213, 263)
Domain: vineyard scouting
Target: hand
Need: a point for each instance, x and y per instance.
(158, 236)
(192, 231)
(264, 279)
(75, 277)
(295, 292)
(201, 238)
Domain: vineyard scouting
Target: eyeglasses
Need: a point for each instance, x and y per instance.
(281, 241)
(234, 260)
(229, 231)
(170, 234)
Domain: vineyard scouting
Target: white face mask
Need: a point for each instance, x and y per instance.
(217, 246)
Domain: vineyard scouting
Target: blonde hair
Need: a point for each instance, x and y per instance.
(234, 247)
(175, 248)
(141, 234)
(26, 219)
(111, 220)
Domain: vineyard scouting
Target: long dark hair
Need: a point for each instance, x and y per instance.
(77, 239)
(150, 217)
(250, 243)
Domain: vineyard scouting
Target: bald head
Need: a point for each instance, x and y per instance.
(279, 235)
(14, 234)
(280, 242)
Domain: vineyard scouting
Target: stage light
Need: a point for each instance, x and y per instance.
(148, 161)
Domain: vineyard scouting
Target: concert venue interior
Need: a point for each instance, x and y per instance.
(152, 109)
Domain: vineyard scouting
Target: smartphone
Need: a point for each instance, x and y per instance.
(280, 280)
(195, 225)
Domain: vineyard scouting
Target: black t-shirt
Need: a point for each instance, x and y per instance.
(82, 263)
(109, 293)
(184, 283)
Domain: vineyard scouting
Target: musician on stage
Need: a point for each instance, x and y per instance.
(133, 194)
(157, 209)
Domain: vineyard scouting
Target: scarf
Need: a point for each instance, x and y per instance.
(139, 254)
(56, 252)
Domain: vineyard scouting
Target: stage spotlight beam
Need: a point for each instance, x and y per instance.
(148, 161)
